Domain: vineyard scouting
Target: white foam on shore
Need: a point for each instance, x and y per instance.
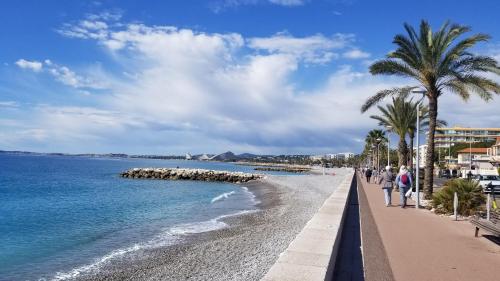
(255, 201)
(204, 226)
(222, 196)
(197, 227)
(166, 238)
(161, 240)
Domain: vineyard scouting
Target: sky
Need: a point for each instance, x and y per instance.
(171, 77)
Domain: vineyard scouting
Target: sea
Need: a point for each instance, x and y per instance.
(63, 216)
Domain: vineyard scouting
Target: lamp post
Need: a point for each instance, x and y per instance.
(389, 144)
(470, 152)
(379, 141)
(439, 157)
(449, 156)
(374, 156)
(417, 166)
(371, 157)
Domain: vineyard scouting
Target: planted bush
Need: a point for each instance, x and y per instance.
(470, 197)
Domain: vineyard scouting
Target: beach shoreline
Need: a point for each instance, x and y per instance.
(245, 250)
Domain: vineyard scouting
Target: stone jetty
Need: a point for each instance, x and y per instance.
(189, 174)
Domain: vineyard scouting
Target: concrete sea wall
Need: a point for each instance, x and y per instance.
(312, 254)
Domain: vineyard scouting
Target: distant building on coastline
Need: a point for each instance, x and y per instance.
(421, 154)
(204, 157)
(476, 153)
(188, 156)
(494, 153)
(445, 137)
(334, 156)
(483, 160)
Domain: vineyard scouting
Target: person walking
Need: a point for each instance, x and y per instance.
(368, 175)
(386, 179)
(404, 182)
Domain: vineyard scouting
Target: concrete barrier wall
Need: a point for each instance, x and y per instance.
(311, 255)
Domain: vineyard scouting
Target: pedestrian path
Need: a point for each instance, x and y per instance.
(420, 245)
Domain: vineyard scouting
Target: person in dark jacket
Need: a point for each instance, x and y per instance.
(368, 175)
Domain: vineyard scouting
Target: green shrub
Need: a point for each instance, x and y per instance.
(470, 197)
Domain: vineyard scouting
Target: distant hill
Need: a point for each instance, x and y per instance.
(247, 156)
(226, 156)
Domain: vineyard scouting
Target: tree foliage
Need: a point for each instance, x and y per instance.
(470, 197)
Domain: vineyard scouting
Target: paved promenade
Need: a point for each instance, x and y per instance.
(411, 244)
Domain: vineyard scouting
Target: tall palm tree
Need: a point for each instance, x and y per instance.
(373, 138)
(397, 116)
(440, 63)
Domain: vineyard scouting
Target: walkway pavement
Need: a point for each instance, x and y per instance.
(420, 245)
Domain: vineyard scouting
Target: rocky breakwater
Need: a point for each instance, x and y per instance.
(189, 174)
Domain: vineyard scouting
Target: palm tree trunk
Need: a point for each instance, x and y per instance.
(410, 160)
(402, 151)
(429, 156)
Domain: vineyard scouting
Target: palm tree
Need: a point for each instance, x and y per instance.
(397, 116)
(373, 138)
(440, 63)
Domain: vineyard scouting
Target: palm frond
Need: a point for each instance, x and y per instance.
(380, 95)
(393, 67)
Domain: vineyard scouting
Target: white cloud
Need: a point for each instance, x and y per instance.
(288, 2)
(208, 92)
(68, 77)
(220, 5)
(8, 104)
(186, 83)
(356, 54)
(112, 16)
(84, 30)
(95, 26)
(312, 49)
(65, 75)
(31, 65)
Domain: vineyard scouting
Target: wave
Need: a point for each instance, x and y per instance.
(166, 238)
(222, 196)
(254, 199)
(162, 240)
(197, 227)
(205, 226)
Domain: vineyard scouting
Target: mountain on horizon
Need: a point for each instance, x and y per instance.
(226, 156)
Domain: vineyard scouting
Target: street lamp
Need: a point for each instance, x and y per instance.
(389, 128)
(470, 152)
(417, 180)
(374, 162)
(379, 141)
(449, 154)
(372, 156)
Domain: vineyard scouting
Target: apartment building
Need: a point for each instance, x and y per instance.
(444, 137)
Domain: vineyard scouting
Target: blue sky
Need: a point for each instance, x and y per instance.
(169, 77)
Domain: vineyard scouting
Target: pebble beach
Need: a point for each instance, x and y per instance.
(247, 248)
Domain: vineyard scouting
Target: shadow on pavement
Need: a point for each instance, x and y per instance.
(349, 263)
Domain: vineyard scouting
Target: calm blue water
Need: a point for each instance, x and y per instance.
(61, 216)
